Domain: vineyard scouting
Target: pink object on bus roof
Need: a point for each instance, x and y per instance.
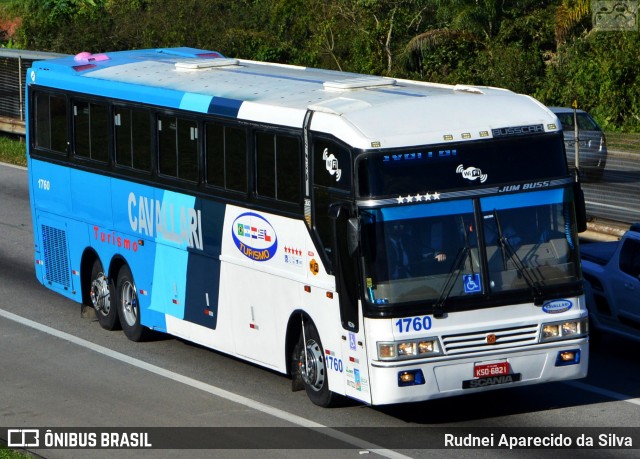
(88, 57)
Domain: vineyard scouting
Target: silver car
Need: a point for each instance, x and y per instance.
(592, 141)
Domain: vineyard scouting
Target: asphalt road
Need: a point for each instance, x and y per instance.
(58, 369)
(616, 196)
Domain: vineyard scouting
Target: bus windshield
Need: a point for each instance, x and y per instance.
(432, 252)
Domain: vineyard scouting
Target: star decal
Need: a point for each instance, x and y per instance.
(419, 198)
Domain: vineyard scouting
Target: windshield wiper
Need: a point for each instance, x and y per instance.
(456, 269)
(508, 250)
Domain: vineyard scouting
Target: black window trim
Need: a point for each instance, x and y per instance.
(153, 178)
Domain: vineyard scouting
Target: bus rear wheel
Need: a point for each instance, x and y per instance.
(128, 306)
(309, 361)
(101, 298)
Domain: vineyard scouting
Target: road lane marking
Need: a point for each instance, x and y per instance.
(214, 390)
(610, 206)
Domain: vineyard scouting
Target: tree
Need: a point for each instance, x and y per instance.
(65, 26)
(569, 15)
(602, 71)
(485, 42)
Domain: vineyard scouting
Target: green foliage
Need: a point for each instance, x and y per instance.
(62, 25)
(13, 150)
(540, 47)
(601, 71)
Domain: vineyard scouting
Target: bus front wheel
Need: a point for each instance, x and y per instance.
(128, 306)
(310, 365)
(101, 298)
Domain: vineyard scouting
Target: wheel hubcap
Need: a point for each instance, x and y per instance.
(129, 303)
(312, 367)
(100, 298)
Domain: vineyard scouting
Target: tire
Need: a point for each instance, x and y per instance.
(128, 306)
(101, 296)
(312, 369)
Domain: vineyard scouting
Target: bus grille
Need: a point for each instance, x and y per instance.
(56, 260)
(477, 341)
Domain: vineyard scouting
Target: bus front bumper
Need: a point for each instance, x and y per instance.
(408, 381)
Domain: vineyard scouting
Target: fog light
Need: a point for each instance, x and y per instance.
(410, 378)
(571, 357)
(406, 377)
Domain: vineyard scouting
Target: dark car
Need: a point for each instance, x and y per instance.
(592, 141)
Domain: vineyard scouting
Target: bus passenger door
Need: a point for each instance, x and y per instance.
(356, 371)
(354, 354)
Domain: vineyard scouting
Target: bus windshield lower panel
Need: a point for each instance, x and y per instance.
(469, 249)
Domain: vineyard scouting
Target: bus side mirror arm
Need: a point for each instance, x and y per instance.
(353, 235)
(346, 236)
(353, 227)
(580, 206)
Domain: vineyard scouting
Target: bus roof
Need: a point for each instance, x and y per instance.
(365, 111)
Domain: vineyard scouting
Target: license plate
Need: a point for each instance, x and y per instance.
(491, 369)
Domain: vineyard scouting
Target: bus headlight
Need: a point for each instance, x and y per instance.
(564, 330)
(410, 349)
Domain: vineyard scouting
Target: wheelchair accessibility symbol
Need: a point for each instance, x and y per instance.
(472, 283)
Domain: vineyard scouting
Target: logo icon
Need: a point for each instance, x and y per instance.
(472, 283)
(314, 267)
(22, 438)
(471, 173)
(331, 163)
(491, 338)
(609, 15)
(352, 341)
(254, 236)
(557, 306)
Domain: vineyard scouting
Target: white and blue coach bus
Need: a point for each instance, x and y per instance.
(385, 240)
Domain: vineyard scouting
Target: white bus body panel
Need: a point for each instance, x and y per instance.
(536, 363)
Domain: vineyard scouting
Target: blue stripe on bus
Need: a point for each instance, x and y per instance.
(114, 90)
(514, 201)
(400, 93)
(203, 268)
(429, 209)
(186, 52)
(278, 77)
(195, 102)
(210, 104)
(225, 107)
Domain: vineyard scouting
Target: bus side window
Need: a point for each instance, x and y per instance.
(51, 122)
(178, 147)
(278, 167)
(226, 156)
(332, 183)
(321, 220)
(133, 138)
(90, 130)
